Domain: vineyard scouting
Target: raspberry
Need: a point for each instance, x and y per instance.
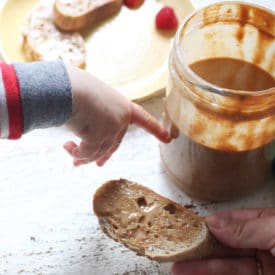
(166, 19)
(133, 3)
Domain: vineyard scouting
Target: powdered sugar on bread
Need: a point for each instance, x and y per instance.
(42, 40)
(77, 7)
(73, 15)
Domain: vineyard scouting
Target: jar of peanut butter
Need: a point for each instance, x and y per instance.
(220, 101)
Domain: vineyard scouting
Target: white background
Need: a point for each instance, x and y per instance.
(46, 220)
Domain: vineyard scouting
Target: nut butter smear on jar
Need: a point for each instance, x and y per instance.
(220, 102)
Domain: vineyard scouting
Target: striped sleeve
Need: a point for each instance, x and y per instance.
(11, 115)
(33, 95)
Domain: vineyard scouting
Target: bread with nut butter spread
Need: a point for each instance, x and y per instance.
(152, 225)
(74, 15)
(42, 41)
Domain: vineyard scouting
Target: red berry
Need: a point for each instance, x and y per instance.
(133, 3)
(166, 19)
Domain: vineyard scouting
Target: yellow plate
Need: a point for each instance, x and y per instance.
(125, 51)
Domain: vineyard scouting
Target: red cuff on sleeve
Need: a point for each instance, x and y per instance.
(11, 93)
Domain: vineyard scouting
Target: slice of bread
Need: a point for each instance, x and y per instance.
(43, 41)
(73, 15)
(152, 225)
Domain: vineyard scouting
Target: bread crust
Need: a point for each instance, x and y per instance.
(200, 244)
(42, 41)
(74, 15)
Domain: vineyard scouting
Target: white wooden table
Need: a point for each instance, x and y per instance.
(46, 220)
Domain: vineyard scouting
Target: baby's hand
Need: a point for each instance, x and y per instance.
(101, 117)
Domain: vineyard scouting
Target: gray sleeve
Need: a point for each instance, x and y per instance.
(46, 94)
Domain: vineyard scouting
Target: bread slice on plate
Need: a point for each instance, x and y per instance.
(152, 225)
(43, 41)
(73, 15)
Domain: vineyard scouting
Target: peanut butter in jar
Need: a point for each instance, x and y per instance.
(220, 101)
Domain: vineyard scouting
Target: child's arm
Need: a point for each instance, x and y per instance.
(101, 117)
(46, 94)
(33, 96)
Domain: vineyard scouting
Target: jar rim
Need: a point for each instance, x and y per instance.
(198, 81)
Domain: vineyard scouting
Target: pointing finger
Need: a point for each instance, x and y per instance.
(143, 119)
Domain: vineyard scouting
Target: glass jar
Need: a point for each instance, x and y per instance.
(220, 101)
